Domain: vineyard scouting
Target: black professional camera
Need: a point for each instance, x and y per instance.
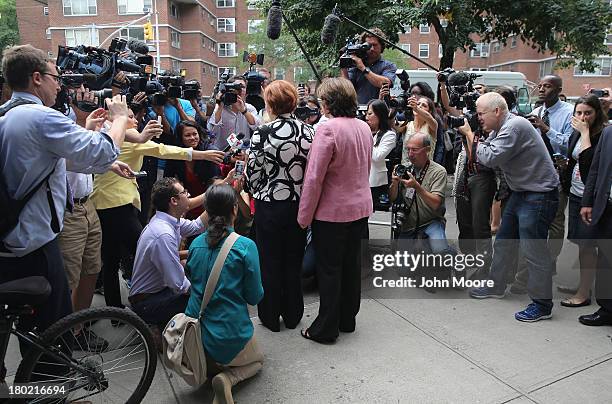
(402, 171)
(400, 103)
(353, 47)
(462, 95)
(172, 84)
(191, 89)
(254, 80)
(303, 111)
(229, 91)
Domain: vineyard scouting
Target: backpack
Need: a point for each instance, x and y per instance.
(10, 207)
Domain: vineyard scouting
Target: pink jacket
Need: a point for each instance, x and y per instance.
(336, 185)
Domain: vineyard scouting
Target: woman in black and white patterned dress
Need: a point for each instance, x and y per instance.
(275, 173)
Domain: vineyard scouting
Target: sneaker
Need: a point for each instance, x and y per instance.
(222, 387)
(88, 340)
(532, 313)
(486, 292)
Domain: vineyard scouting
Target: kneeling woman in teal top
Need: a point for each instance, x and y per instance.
(227, 332)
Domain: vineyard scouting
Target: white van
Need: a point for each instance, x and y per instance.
(491, 79)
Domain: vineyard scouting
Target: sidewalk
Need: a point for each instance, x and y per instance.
(432, 349)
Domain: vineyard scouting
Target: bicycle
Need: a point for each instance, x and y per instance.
(57, 357)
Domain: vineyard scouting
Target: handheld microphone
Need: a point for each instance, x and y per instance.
(234, 141)
(330, 28)
(275, 20)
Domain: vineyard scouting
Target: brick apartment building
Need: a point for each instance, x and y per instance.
(511, 55)
(201, 36)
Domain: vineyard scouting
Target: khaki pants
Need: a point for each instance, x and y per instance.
(246, 364)
(80, 242)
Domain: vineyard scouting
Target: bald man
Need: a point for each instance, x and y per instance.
(519, 151)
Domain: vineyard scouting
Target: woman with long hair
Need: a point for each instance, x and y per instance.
(194, 174)
(377, 118)
(424, 122)
(588, 122)
(275, 173)
(336, 201)
(232, 353)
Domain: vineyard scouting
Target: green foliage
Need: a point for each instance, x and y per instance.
(572, 29)
(9, 32)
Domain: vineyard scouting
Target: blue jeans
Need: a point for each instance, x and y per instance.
(525, 223)
(436, 233)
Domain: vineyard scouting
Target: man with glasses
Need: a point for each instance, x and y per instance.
(160, 288)
(240, 117)
(423, 189)
(519, 151)
(37, 145)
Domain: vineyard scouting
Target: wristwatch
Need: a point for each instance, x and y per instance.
(366, 71)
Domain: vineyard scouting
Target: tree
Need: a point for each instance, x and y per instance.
(9, 32)
(571, 29)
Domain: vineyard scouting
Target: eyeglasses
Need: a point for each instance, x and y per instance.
(183, 192)
(415, 149)
(55, 76)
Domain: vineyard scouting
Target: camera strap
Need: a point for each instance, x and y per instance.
(414, 194)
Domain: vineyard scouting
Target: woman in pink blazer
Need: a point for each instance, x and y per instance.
(336, 201)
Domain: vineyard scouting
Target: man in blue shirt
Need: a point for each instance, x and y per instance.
(35, 142)
(160, 288)
(368, 76)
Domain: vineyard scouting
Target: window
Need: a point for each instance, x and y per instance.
(227, 49)
(424, 50)
(481, 50)
(424, 28)
(405, 46)
(440, 51)
(231, 71)
(513, 41)
(478, 69)
(80, 7)
(602, 69)
(48, 32)
(132, 33)
(407, 28)
(279, 73)
(45, 10)
(254, 26)
(226, 25)
(225, 3)
(546, 68)
(496, 47)
(176, 66)
(174, 10)
(208, 43)
(133, 6)
(175, 39)
(608, 40)
(86, 36)
(252, 5)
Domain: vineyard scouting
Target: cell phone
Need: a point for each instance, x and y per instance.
(558, 157)
(140, 174)
(239, 169)
(159, 119)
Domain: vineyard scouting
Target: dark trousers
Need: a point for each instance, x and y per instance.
(120, 232)
(338, 257)
(281, 244)
(603, 281)
(160, 307)
(474, 216)
(46, 262)
(524, 229)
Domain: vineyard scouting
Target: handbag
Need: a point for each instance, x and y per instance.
(182, 337)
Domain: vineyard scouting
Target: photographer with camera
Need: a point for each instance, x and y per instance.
(377, 118)
(232, 114)
(515, 147)
(35, 142)
(424, 112)
(422, 187)
(369, 74)
(309, 110)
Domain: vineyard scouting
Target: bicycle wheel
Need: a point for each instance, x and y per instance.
(120, 370)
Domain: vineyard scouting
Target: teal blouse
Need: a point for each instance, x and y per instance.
(226, 326)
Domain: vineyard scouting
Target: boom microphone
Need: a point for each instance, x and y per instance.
(330, 28)
(138, 46)
(275, 20)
